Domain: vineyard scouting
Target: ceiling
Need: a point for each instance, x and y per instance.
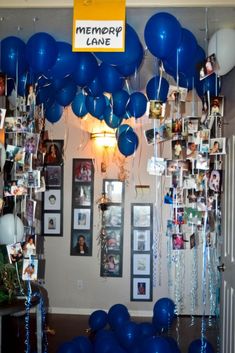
(201, 21)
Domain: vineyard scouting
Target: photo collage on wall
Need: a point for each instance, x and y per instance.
(53, 195)
(141, 251)
(82, 207)
(21, 153)
(112, 252)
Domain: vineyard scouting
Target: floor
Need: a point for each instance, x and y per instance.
(66, 327)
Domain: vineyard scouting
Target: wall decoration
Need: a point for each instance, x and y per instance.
(141, 252)
(82, 211)
(52, 221)
(112, 229)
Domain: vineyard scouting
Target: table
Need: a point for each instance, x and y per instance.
(18, 306)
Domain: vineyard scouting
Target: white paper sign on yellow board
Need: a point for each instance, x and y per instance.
(99, 25)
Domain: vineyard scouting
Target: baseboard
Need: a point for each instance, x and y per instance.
(89, 311)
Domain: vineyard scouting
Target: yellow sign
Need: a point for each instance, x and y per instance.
(99, 25)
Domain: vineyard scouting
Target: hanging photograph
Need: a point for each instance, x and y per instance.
(141, 289)
(82, 218)
(142, 215)
(111, 265)
(53, 176)
(141, 264)
(217, 146)
(141, 240)
(83, 170)
(54, 153)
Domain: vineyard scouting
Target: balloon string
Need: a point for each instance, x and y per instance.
(66, 133)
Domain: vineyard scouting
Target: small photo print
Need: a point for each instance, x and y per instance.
(83, 170)
(192, 241)
(178, 242)
(141, 289)
(173, 166)
(141, 215)
(53, 176)
(29, 247)
(192, 149)
(141, 264)
(113, 239)
(54, 153)
(156, 166)
(217, 106)
(141, 240)
(178, 149)
(2, 117)
(52, 199)
(217, 146)
(82, 218)
(15, 252)
(192, 125)
(3, 85)
(31, 143)
(52, 223)
(157, 109)
(203, 162)
(30, 211)
(177, 125)
(81, 243)
(114, 190)
(113, 216)
(110, 265)
(215, 180)
(15, 154)
(30, 270)
(177, 93)
(82, 195)
(32, 179)
(209, 66)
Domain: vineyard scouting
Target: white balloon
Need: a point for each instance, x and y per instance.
(10, 234)
(222, 44)
(2, 156)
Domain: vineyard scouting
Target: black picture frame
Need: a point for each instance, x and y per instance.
(111, 260)
(82, 210)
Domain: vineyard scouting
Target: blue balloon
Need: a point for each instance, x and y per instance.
(128, 334)
(67, 347)
(66, 61)
(117, 315)
(22, 85)
(86, 69)
(120, 100)
(59, 83)
(41, 51)
(131, 54)
(112, 120)
(162, 34)
(98, 320)
(45, 94)
(211, 84)
(130, 69)
(94, 88)
(10, 86)
(137, 104)
(174, 348)
(66, 94)
(199, 346)
(182, 59)
(96, 106)
(83, 344)
(128, 143)
(164, 312)
(54, 112)
(147, 329)
(13, 57)
(122, 128)
(157, 89)
(110, 78)
(79, 105)
(105, 343)
(155, 345)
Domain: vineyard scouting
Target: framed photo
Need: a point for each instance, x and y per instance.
(141, 264)
(83, 170)
(82, 218)
(52, 224)
(113, 216)
(111, 265)
(217, 146)
(141, 289)
(54, 152)
(81, 243)
(53, 176)
(82, 195)
(114, 190)
(113, 239)
(141, 240)
(142, 214)
(52, 199)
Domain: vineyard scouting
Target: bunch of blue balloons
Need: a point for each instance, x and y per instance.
(179, 51)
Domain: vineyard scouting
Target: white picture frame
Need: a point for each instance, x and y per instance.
(52, 199)
(82, 218)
